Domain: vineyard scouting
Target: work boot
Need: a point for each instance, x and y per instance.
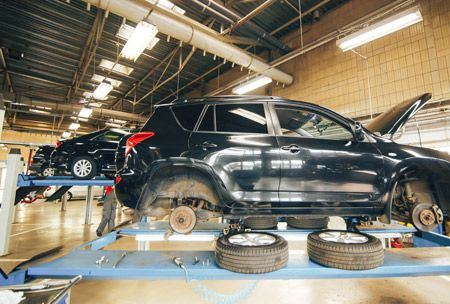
(99, 234)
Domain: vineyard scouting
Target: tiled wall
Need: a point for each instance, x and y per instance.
(400, 65)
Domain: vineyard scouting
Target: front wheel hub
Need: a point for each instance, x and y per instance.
(426, 217)
(183, 219)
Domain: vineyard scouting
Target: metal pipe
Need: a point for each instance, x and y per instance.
(191, 32)
(89, 199)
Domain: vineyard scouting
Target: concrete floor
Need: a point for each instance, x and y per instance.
(41, 226)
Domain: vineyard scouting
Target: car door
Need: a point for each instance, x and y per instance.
(323, 168)
(238, 141)
(103, 148)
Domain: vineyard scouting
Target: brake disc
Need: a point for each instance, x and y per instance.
(425, 217)
(182, 219)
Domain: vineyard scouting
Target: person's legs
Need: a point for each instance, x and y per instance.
(112, 215)
(106, 214)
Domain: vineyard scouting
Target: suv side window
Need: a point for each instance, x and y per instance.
(110, 136)
(187, 115)
(299, 122)
(241, 118)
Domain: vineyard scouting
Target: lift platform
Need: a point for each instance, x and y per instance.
(158, 265)
(27, 184)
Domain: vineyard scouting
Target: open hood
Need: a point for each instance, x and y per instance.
(396, 117)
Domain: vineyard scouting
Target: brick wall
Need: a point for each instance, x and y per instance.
(400, 65)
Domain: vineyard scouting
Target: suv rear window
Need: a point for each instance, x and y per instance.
(188, 115)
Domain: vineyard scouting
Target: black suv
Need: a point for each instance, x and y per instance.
(88, 155)
(241, 156)
(40, 163)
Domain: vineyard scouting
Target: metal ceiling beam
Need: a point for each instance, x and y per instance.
(7, 76)
(17, 99)
(249, 16)
(296, 19)
(226, 15)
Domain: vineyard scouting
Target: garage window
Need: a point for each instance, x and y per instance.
(188, 115)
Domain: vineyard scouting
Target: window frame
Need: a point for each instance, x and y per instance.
(343, 123)
(187, 105)
(269, 122)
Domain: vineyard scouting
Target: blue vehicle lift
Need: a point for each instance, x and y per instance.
(26, 184)
(158, 265)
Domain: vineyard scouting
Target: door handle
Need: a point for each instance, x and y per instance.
(292, 148)
(207, 145)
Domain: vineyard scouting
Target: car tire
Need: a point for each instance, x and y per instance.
(83, 167)
(47, 171)
(261, 222)
(332, 248)
(300, 222)
(236, 253)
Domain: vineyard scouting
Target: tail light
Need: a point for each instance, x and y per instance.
(135, 139)
(58, 144)
(118, 179)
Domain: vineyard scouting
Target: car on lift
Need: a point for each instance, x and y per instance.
(265, 157)
(89, 155)
(40, 163)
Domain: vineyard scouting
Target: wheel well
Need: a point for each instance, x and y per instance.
(172, 186)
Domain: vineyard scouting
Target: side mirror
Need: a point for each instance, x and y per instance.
(359, 133)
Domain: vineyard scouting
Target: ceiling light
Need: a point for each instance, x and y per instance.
(111, 124)
(380, 29)
(102, 90)
(168, 5)
(117, 67)
(66, 134)
(79, 118)
(74, 126)
(142, 35)
(87, 95)
(39, 111)
(249, 115)
(252, 84)
(99, 78)
(125, 32)
(85, 112)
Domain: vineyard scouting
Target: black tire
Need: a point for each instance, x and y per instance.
(360, 256)
(251, 259)
(308, 222)
(85, 160)
(261, 222)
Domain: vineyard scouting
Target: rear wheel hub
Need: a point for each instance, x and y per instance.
(182, 219)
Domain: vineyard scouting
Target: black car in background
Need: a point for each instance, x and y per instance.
(89, 155)
(241, 156)
(40, 163)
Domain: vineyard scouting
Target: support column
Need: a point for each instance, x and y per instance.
(64, 202)
(13, 168)
(89, 200)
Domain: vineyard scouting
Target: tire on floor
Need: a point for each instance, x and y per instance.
(345, 250)
(308, 222)
(261, 222)
(251, 252)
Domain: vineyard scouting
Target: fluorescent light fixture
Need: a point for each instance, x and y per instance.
(79, 118)
(119, 121)
(249, 115)
(66, 134)
(168, 5)
(102, 90)
(99, 78)
(74, 126)
(142, 35)
(252, 84)
(43, 108)
(125, 32)
(87, 95)
(111, 124)
(85, 112)
(39, 111)
(119, 68)
(382, 28)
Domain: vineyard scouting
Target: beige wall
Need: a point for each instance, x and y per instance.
(24, 137)
(401, 65)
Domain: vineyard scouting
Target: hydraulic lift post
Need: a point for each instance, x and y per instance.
(89, 199)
